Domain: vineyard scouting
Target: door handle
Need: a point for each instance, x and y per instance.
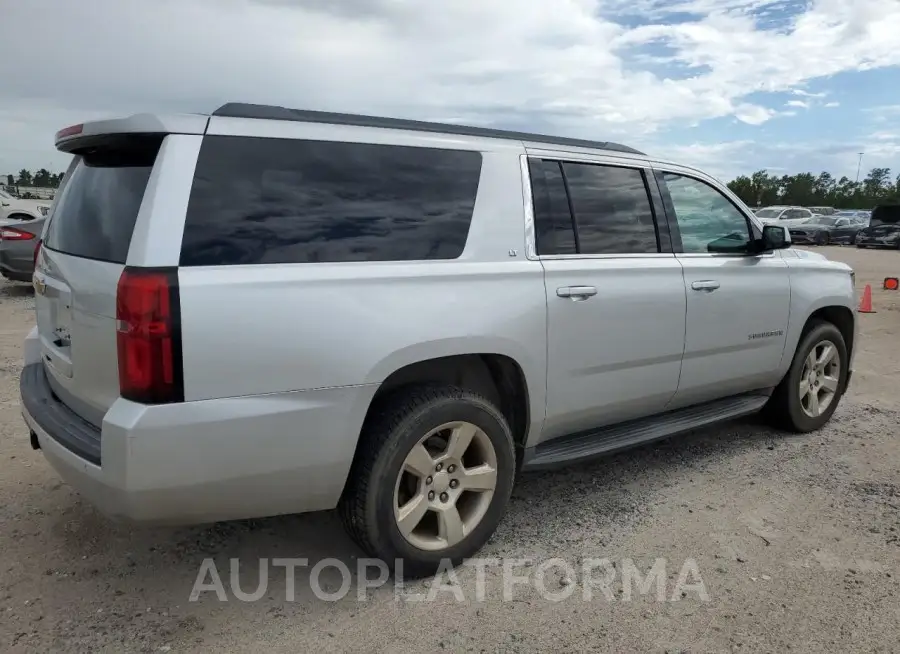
(708, 285)
(577, 293)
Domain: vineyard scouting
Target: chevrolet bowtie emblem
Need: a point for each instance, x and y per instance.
(39, 285)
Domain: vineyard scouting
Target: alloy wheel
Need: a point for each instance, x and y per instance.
(819, 378)
(445, 486)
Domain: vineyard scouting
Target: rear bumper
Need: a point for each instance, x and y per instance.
(199, 462)
(16, 268)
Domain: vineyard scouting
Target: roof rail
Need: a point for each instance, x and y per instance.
(271, 112)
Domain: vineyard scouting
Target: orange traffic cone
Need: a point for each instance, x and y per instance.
(865, 305)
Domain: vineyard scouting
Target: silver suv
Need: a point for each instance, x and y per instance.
(269, 311)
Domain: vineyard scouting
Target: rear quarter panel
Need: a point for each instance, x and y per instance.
(260, 329)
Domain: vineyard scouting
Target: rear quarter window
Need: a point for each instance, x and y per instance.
(261, 201)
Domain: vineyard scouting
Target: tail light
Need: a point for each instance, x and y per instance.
(13, 234)
(37, 252)
(148, 335)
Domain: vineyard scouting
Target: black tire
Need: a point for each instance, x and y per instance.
(395, 426)
(784, 409)
(822, 238)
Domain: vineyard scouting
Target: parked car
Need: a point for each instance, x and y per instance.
(883, 230)
(275, 311)
(14, 210)
(822, 230)
(18, 244)
(787, 216)
(823, 211)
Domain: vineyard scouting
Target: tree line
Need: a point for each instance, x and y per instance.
(823, 190)
(42, 178)
(758, 189)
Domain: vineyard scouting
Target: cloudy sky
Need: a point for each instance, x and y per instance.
(730, 85)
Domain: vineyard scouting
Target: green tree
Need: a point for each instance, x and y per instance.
(25, 178)
(42, 178)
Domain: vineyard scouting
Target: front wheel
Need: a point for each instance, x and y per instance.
(810, 391)
(822, 238)
(431, 479)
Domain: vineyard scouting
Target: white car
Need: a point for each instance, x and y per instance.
(14, 210)
(784, 215)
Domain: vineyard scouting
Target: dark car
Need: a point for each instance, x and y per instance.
(17, 248)
(883, 230)
(823, 230)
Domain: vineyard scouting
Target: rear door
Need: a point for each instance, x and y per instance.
(615, 293)
(84, 250)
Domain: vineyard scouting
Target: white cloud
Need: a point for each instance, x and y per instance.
(753, 114)
(798, 103)
(564, 66)
(832, 104)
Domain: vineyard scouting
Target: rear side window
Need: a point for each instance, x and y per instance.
(259, 201)
(612, 209)
(97, 208)
(554, 229)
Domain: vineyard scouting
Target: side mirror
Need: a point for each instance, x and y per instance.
(774, 237)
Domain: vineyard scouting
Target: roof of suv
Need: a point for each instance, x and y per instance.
(81, 136)
(270, 112)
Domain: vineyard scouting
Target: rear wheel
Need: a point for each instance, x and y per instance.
(810, 391)
(431, 479)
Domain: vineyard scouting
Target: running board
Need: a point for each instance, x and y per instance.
(587, 445)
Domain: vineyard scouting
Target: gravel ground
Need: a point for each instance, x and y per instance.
(796, 540)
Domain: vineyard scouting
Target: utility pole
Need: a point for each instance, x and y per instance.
(858, 166)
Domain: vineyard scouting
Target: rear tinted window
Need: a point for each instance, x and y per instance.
(554, 227)
(96, 210)
(612, 209)
(258, 201)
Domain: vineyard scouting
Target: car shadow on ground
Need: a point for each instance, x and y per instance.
(160, 566)
(15, 289)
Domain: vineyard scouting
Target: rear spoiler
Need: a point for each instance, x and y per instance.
(77, 137)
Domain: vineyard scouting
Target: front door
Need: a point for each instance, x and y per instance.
(737, 305)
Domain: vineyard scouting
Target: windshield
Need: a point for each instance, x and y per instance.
(5, 196)
(885, 215)
(769, 213)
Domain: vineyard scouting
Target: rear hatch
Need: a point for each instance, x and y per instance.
(83, 254)
(885, 220)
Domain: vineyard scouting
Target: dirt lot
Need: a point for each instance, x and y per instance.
(797, 540)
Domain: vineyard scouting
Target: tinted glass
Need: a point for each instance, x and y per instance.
(885, 215)
(703, 214)
(768, 213)
(612, 209)
(99, 202)
(552, 219)
(257, 201)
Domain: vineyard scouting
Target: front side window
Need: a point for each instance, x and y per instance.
(613, 214)
(703, 214)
